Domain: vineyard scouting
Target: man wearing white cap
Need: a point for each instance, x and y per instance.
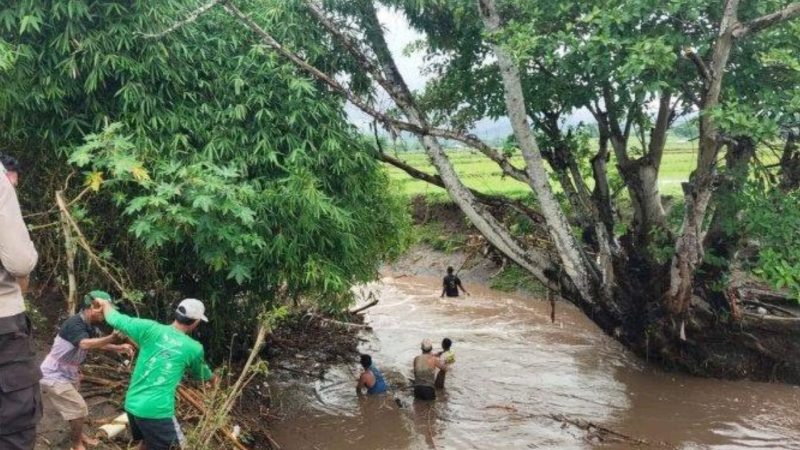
(165, 352)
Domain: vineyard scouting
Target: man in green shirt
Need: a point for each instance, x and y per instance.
(165, 352)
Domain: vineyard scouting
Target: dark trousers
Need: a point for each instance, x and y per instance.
(424, 392)
(20, 397)
(158, 434)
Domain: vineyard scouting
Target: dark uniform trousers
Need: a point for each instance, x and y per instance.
(20, 395)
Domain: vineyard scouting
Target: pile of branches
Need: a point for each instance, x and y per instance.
(312, 341)
(198, 409)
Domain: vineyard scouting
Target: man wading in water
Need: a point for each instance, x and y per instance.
(371, 378)
(425, 366)
(451, 284)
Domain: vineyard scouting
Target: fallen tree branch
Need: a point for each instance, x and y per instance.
(770, 307)
(101, 381)
(325, 320)
(189, 397)
(365, 307)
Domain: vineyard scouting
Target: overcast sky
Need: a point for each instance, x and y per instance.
(399, 35)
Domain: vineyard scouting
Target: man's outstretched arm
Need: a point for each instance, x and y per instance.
(134, 327)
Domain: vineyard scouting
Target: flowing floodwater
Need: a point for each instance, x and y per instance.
(513, 369)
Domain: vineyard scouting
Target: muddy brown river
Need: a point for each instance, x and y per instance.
(513, 370)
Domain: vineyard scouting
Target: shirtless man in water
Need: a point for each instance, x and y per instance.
(425, 366)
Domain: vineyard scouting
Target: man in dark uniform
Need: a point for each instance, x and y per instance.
(451, 284)
(20, 397)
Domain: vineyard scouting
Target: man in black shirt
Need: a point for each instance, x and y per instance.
(451, 284)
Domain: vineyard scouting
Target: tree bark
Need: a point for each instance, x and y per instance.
(574, 261)
(790, 164)
(697, 192)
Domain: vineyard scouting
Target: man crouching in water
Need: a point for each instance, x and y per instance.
(425, 366)
(371, 378)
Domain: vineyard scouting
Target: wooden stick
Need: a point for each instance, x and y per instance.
(365, 307)
(101, 381)
(71, 251)
(342, 324)
(188, 395)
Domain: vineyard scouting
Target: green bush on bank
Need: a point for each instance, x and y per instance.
(215, 169)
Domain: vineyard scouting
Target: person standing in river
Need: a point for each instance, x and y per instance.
(451, 284)
(20, 397)
(425, 366)
(371, 378)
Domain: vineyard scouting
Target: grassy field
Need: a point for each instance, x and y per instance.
(484, 175)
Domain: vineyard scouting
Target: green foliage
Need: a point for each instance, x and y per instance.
(7, 55)
(438, 237)
(772, 219)
(237, 174)
(514, 278)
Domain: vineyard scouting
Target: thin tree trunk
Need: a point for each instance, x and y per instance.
(71, 251)
(534, 261)
(574, 261)
(697, 192)
(790, 164)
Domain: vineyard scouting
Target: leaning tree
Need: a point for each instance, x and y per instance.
(636, 65)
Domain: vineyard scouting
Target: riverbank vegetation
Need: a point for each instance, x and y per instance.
(661, 288)
(177, 151)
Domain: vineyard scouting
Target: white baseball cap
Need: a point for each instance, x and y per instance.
(192, 308)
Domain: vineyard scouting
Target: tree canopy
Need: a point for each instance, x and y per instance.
(238, 175)
(637, 66)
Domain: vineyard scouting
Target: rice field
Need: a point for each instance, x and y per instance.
(481, 174)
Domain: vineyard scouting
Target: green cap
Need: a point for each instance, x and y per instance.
(103, 295)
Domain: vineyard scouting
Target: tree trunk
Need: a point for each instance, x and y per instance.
(697, 192)
(790, 164)
(575, 264)
(537, 263)
(737, 165)
(641, 178)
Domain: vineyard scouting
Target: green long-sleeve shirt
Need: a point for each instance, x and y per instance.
(164, 354)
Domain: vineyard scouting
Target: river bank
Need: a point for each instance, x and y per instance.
(520, 381)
